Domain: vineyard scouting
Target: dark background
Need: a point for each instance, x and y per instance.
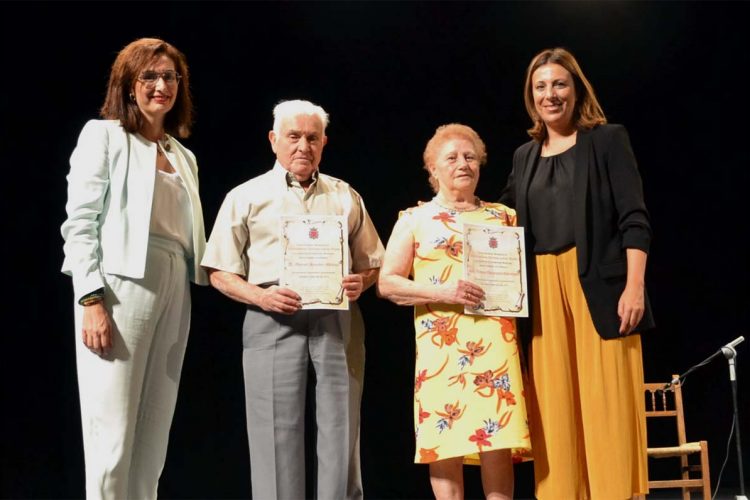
(388, 73)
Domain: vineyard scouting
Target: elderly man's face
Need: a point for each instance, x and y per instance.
(299, 145)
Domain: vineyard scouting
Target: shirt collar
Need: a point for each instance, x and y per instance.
(281, 172)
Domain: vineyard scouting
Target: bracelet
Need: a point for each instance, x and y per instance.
(92, 298)
(91, 301)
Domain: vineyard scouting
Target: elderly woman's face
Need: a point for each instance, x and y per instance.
(554, 95)
(456, 166)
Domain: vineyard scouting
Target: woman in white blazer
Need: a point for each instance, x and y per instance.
(134, 237)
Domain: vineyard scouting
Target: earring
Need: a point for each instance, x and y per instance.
(132, 97)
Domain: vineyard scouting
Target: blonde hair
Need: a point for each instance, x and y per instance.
(445, 133)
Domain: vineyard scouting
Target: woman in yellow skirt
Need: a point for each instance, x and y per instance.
(577, 190)
(468, 392)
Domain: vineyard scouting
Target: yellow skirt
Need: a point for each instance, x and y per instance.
(585, 402)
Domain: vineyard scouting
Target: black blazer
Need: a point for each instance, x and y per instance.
(609, 215)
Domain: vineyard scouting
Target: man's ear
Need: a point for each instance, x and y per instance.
(272, 140)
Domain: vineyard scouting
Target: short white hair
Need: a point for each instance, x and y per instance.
(296, 107)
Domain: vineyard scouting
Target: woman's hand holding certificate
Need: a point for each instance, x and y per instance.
(494, 259)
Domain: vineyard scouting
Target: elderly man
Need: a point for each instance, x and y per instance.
(280, 338)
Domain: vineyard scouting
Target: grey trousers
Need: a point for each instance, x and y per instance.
(277, 350)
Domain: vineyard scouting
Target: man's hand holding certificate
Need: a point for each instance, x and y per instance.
(315, 259)
(494, 259)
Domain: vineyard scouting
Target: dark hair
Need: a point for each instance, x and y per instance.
(587, 113)
(137, 55)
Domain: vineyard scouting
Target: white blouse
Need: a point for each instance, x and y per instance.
(171, 213)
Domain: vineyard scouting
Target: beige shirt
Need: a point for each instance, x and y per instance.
(245, 236)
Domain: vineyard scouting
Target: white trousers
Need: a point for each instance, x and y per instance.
(128, 397)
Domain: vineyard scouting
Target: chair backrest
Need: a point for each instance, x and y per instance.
(665, 400)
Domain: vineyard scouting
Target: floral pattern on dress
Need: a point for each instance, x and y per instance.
(443, 330)
(450, 414)
(473, 350)
(468, 385)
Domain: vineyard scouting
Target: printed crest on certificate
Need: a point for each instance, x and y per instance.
(495, 259)
(315, 257)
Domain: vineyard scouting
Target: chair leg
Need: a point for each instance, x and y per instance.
(705, 471)
(685, 475)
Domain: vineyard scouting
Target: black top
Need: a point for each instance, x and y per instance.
(609, 216)
(551, 202)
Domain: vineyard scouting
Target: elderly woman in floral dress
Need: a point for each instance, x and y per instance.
(468, 391)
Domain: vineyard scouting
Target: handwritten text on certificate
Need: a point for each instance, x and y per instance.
(315, 259)
(495, 259)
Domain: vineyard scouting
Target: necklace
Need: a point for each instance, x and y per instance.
(477, 204)
(163, 143)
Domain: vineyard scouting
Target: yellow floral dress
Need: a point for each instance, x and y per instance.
(468, 389)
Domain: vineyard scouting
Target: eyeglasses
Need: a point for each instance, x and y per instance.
(149, 78)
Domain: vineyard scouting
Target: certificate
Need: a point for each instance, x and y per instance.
(495, 259)
(315, 259)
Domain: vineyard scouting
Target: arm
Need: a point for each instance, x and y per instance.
(633, 223)
(395, 285)
(627, 191)
(366, 249)
(197, 273)
(88, 183)
(271, 299)
(227, 264)
(632, 302)
(508, 194)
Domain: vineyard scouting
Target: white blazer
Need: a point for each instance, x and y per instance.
(110, 192)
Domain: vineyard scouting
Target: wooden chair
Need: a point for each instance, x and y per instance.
(666, 402)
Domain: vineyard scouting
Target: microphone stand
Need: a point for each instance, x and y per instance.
(730, 353)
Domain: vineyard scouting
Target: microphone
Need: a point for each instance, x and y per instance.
(733, 343)
(672, 382)
(728, 352)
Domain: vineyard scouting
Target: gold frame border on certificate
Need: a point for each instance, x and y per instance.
(521, 307)
(340, 301)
